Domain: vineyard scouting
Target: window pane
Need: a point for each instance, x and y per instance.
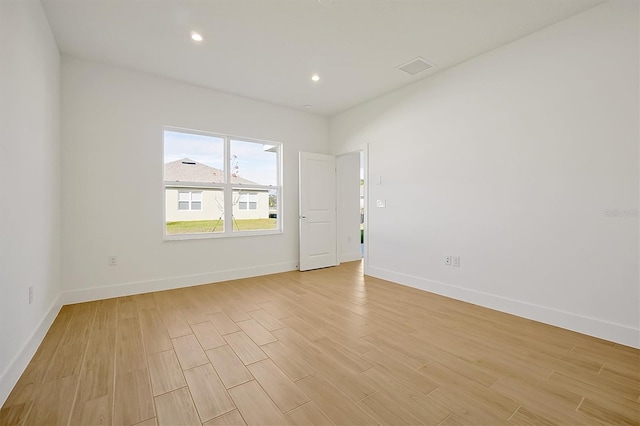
(196, 186)
(205, 216)
(190, 157)
(253, 163)
(260, 213)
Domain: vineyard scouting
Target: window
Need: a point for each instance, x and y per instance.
(248, 201)
(189, 200)
(217, 185)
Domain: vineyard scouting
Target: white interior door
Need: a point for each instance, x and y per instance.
(318, 237)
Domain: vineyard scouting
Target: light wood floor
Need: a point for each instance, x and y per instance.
(320, 347)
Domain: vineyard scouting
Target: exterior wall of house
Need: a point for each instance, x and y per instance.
(262, 212)
(212, 203)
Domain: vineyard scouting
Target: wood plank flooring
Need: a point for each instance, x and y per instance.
(317, 348)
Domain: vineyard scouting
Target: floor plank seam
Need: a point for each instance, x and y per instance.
(514, 413)
(115, 365)
(82, 366)
(146, 358)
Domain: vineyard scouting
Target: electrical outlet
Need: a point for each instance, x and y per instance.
(456, 261)
(30, 295)
(113, 260)
(447, 260)
(381, 203)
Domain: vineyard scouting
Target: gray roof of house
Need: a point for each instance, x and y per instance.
(187, 170)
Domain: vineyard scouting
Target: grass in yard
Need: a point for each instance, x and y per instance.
(203, 226)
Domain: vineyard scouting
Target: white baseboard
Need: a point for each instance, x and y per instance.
(613, 332)
(16, 367)
(350, 257)
(128, 289)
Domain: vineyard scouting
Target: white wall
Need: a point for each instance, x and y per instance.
(510, 161)
(348, 206)
(112, 123)
(30, 174)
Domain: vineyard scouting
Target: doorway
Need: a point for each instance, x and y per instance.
(362, 204)
(351, 206)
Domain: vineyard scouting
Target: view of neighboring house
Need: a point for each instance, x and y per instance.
(191, 193)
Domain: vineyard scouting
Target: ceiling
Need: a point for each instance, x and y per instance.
(269, 49)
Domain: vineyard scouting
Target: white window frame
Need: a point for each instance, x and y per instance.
(190, 201)
(228, 188)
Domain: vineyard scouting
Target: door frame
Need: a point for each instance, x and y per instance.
(364, 162)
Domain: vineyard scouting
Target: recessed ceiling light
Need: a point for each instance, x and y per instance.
(315, 77)
(196, 36)
(307, 106)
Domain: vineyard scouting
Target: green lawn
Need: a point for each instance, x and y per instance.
(202, 226)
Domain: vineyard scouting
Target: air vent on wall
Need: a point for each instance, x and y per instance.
(415, 66)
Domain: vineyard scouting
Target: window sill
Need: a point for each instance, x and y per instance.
(216, 235)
